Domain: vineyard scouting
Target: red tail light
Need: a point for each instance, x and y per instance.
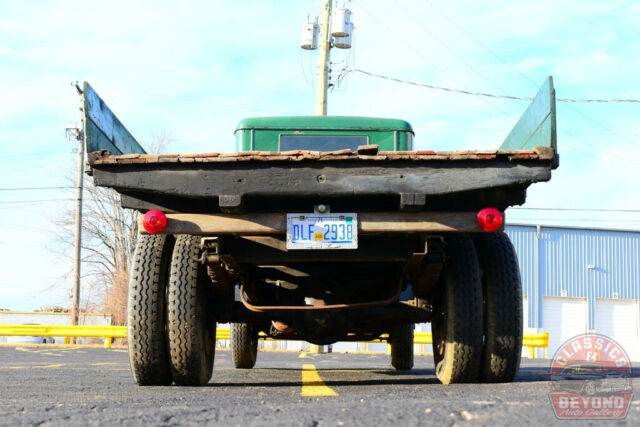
(154, 221)
(490, 219)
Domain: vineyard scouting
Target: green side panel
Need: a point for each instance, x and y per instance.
(263, 133)
(103, 129)
(537, 126)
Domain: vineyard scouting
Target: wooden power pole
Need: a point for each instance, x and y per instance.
(325, 48)
(77, 133)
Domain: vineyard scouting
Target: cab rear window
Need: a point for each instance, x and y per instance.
(322, 142)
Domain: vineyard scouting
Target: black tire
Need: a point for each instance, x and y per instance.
(146, 310)
(244, 345)
(502, 292)
(402, 347)
(192, 332)
(457, 319)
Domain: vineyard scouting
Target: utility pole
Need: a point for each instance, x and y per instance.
(325, 48)
(78, 242)
(74, 132)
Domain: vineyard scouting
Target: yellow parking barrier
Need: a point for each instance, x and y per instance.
(223, 334)
(422, 338)
(107, 332)
(532, 341)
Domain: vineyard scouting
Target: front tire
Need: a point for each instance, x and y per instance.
(146, 310)
(457, 319)
(244, 345)
(192, 333)
(402, 347)
(503, 308)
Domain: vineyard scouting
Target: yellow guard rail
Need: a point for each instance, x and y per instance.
(107, 332)
(532, 341)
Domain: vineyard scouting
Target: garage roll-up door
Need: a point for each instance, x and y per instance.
(563, 318)
(618, 319)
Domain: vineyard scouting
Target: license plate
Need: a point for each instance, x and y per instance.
(322, 231)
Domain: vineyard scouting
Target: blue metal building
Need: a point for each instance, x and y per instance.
(578, 280)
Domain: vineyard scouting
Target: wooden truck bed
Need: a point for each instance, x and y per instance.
(268, 181)
(415, 187)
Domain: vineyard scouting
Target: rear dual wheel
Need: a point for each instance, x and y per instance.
(146, 310)
(502, 308)
(457, 325)
(401, 340)
(171, 335)
(244, 345)
(192, 333)
(477, 321)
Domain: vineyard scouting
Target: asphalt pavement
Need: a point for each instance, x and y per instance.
(72, 385)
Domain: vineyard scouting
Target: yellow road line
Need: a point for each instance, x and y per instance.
(353, 371)
(302, 355)
(57, 365)
(103, 363)
(38, 348)
(312, 384)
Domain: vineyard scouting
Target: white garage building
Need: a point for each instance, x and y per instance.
(580, 280)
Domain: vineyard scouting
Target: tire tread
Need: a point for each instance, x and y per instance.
(244, 346)
(187, 321)
(146, 311)
(503, 302)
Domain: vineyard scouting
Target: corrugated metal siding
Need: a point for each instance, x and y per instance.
(617, 265)
(564, 255)
(576, 263)
(524, 241)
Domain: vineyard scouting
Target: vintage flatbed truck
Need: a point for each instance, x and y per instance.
(323, 229)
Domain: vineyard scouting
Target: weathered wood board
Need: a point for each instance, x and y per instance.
(537, 126)
(230, 183)
(103, 129)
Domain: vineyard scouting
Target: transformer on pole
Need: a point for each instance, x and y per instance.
(336, 31)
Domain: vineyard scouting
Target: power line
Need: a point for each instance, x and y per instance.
(579, 209)
(632, 221)
(449, 48)
(33, 153)
(610, 131)
(32, 201)
(489, 95)
(34, 188)
(481, 44)
(423, 57)
(446, 89)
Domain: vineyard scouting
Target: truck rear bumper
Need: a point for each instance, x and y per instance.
(276, 223)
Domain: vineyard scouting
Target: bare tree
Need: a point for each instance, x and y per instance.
(109, 236)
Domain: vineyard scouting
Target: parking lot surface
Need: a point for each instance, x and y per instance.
(72, 385)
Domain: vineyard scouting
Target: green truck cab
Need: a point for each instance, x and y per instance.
(322, 133)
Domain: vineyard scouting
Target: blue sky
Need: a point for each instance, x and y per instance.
(197, 69)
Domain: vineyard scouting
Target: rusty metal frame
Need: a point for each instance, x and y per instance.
(264, 308)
